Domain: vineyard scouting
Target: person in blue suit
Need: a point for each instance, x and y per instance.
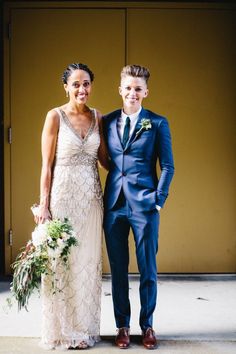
(136, 139)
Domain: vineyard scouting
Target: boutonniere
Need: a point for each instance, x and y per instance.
(145, 125)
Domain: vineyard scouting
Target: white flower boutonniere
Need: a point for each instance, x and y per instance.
(145, 125)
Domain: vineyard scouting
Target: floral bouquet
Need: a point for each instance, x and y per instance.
(51, 242)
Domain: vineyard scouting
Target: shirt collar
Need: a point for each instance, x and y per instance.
(132, 116)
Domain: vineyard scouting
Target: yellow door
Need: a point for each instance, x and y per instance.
(43, 43)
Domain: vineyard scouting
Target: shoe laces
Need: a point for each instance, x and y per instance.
(149, 332)
(123, 330)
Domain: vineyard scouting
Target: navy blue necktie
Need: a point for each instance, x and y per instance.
(126, 132)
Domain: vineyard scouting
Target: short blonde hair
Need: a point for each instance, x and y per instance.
(135, 71)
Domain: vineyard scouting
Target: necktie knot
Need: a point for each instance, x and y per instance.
(126, 131)
(127, 121)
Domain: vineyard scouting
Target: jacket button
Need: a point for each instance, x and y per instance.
(124, 173)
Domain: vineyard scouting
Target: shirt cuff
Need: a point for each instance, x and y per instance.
(158, 207)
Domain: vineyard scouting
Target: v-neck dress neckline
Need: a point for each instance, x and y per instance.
(90, 129)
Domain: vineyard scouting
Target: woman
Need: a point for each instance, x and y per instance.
(72, 142)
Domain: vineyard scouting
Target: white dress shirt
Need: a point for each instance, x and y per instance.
(121, 122)
(121, 125)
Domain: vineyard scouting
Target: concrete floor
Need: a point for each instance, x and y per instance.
(195, 314)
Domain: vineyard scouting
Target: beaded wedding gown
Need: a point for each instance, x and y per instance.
(71, 317)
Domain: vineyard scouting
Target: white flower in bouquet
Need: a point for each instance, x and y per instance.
(49, 239)
(39, 235)
(65, 236)
(55, 253)
(51, 253)
(60, 243)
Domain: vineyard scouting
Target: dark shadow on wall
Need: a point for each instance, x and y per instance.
(2, 253)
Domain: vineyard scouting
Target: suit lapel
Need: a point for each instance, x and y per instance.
(113, 127)
(143, 114)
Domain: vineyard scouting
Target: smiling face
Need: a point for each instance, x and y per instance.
(132, 90)
(78, 86)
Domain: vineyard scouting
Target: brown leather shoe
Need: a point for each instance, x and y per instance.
(122, 338)
(149, 339)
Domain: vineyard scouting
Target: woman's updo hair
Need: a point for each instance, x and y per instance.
(75, 66)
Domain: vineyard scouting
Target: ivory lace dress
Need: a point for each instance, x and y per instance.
(72, 316)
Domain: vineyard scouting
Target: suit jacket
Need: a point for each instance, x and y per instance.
(133, 168)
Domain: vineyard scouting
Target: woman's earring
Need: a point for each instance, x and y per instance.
(67, 94)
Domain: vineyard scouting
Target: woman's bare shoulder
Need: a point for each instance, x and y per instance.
(54, 113)
(98, 115)
(52, 119)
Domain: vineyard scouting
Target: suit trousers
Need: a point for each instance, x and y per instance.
(144, 224)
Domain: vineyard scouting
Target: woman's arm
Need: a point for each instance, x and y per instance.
(102, 151)
(49, 140)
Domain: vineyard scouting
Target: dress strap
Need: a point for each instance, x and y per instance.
(59, 113)
(95, 115)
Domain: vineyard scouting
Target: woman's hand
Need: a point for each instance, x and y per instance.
(41, 214)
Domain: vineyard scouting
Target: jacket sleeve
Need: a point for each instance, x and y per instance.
(166, 162)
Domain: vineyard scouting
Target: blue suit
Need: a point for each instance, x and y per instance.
(132, 192)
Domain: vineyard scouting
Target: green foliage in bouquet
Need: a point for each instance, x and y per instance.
(51, 241)
(30, 264)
